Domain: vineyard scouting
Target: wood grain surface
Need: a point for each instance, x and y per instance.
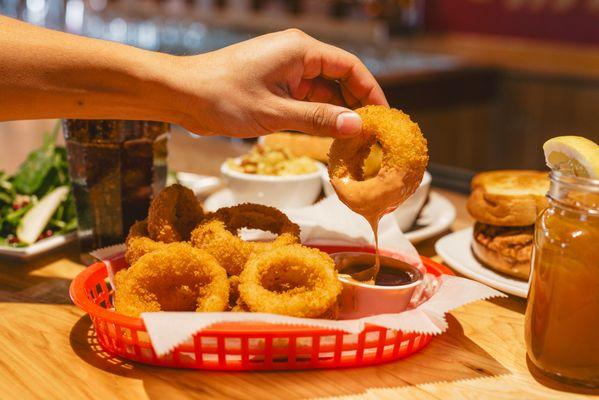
(48, 349)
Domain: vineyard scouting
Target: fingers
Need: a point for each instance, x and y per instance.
(358, 85)
(319, 119)
(320, 90)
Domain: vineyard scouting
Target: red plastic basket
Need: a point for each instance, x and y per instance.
(242, 346)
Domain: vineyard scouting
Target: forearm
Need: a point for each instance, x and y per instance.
(48, 74)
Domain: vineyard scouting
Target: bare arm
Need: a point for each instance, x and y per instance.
(284, 80)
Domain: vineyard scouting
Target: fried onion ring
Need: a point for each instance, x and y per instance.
(173, 214)
(218, 235)
(176, 277)
(139, 243)
(233, 290)
(405, 156)
(291, 280)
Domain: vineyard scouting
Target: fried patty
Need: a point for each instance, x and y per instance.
(513, 243)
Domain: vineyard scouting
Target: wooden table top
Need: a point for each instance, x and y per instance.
(45, 349)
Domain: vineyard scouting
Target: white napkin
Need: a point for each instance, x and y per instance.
(169, 329)
(332, 222)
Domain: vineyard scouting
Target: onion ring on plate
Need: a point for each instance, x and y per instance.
(290, 280)
(405, 156)
(173, 214)
(139, 243)
(218, 235)
(176, 277)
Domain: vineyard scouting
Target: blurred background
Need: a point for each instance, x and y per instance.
(487, 80)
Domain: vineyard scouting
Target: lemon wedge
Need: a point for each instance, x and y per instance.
(573, 155)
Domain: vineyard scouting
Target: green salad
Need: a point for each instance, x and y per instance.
(37, 202)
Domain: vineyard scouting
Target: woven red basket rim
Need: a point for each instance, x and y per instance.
(80, 298)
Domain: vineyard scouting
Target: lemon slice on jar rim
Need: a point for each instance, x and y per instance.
(573, 155)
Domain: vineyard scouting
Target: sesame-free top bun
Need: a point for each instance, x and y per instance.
(300, 144)
(508, 197)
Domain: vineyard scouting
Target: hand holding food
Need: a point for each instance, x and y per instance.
(281, 81)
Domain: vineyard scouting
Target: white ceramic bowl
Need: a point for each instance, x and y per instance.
(407, 212)
(291, 191)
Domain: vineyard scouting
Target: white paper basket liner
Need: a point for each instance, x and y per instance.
(170, 329)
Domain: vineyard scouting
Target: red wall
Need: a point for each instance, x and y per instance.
(564, 20)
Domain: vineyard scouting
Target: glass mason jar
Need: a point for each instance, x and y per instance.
(115, 167)
(562, 315)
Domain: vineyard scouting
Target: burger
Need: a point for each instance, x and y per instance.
(505, 205)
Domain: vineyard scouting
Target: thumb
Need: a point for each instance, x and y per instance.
(321, 119)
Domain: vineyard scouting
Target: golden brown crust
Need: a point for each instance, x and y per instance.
(173, 214)
(218, 234)
(139, 243)
(176, 277)
(508, 197)
(290, 280)
(404, 159)
(505, 250)
(300, 144)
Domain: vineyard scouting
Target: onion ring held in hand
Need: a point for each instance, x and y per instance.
(404, 159)
(218, 235)
(173, 214)
(290, 280)
(176, 277)
(139, 243)
(405, 156)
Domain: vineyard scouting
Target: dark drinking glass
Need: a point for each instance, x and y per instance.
(115, 168)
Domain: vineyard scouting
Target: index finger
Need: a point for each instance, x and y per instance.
(334, 63)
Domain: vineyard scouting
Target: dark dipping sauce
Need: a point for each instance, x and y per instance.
(392, 272)
(387, 276)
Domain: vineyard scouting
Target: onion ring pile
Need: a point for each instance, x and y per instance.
(139, 243)
(405, 156)
(218, 235)
(290, 280)
(233, 290)
(173, 214)
(176, 277)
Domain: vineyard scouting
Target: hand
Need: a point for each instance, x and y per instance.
(281, 81)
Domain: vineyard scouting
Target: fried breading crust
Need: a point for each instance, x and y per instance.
(290, 280)
(173, 214)
(176, 277)
(139, 243)
(218, 234)
(405, 157)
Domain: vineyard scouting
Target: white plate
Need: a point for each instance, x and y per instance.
(201, 185)
(38, 248)
(436, 216)
(455, 250)
(221, 198)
